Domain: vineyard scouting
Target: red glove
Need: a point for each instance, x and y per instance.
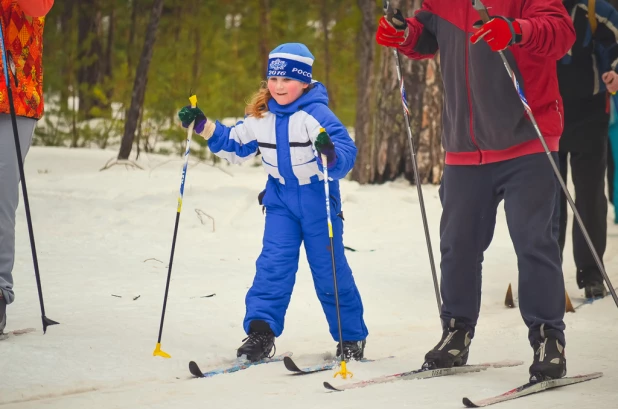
(394, 32)
(499, 32)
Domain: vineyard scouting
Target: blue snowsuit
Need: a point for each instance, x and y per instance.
(613, 137)
(295, 205)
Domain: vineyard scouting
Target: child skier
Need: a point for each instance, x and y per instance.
(283, 124)
(493, 153)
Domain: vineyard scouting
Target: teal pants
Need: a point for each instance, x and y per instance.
(613, 141)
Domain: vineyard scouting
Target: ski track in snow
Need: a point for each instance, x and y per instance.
(103, 233)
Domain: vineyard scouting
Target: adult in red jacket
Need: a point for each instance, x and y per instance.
(493, 153)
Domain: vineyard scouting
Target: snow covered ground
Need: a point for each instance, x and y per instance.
(104, 239)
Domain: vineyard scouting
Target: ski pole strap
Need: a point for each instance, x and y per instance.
(193, 101)
(480, 8)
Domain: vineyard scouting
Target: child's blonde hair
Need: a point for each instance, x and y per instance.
(258, 105)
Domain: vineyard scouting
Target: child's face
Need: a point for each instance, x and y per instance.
(285, 90)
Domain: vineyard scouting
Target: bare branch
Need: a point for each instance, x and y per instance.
(201, 213)
(126, 162)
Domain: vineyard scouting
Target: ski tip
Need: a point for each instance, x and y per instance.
(331, 387)
(468, 403)
(195, 370)
(290, 365)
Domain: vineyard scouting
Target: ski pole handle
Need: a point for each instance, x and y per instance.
(394, 16)
(388, 10)
(193, 101)
(327, 192)
(480, 8)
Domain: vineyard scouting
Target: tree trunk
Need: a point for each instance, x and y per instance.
(363, 169)
(391, 138)
(263, 32)
(139, 86)
(90, 64)
(384, 146)
(109, 52)
(68, 68)
(132, 28)
(325, 19)
(197, 40)
(430, 153)
(131, 46)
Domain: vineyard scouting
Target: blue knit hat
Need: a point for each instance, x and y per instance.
(291, 60)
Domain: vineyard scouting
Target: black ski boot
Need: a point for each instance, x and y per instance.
(452, 350)
(2, 314)
(595, 290)
(259, 343)
(352, 350)
(591, 280)
(549, 358)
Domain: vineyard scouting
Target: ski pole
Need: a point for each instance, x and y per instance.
(480, 8)
(343, 370)
(20, 163)
(183, 178)
(417, 178)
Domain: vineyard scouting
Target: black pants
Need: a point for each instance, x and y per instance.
(584, 147)
(470, 196)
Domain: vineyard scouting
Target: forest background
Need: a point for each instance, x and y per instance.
(117, 71)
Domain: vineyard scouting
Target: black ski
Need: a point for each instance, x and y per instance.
(195, 370)
(530, 388)
(325, 366)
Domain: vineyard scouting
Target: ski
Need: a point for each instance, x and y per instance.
(530, 388)
(423, 374)
(588, 301)
(296, 370)
(235, 367)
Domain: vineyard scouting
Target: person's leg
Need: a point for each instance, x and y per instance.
(588, 169)
(563, 206)
(530, 194)
(530, 188)
(466, 229)
(317, 246)
(9, 195)
(269, 296)
(613, 137)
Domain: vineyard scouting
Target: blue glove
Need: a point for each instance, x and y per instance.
(188, 114)
(324, 146)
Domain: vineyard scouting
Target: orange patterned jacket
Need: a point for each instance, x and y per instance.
(23, 43)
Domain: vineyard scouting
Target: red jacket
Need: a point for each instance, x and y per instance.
(22, 25)
(484, 120)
